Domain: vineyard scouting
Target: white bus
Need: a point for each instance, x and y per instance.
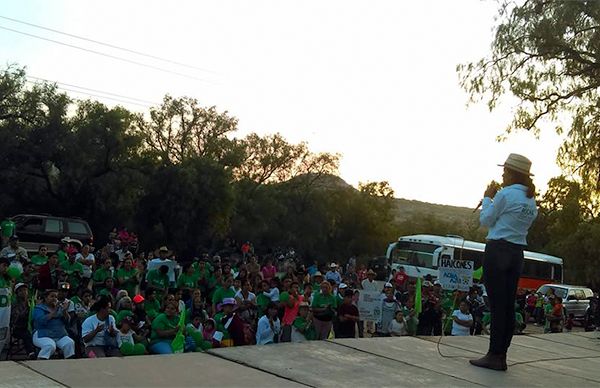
(419, 255)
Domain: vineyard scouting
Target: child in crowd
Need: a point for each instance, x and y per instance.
(398, 325)
(195, 331)
(569, 323)
(302, 328)
(127, 338)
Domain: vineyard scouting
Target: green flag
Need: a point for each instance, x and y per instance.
(478, 273)
(418, 298)
(31, 307)
(178, 343)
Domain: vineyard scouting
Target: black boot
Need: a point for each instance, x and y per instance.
(491, 361)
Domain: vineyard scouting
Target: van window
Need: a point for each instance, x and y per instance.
(558, 291)
(53, 226)
(77, 227)
(33, 225)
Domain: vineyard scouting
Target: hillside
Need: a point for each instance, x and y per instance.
(408, 209)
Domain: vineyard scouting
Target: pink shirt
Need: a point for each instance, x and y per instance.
(269, 272)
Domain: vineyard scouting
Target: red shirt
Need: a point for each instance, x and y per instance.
(400, 278)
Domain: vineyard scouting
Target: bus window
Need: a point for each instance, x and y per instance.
(557, 273)
(537, 269)
(416, 254)
(466, 254)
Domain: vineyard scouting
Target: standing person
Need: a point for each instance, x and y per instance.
(269, 270)
(509, 216)
(369, 284)
(291, 302)
(323, 306)
(268, 326)
(462, 320)
(19, 318)
(348, 317)
(333, 274)
(14, 252)
(86, 258)
(42, 256)
(49, 273)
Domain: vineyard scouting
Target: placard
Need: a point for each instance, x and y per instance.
(369, 305)
(455, 274)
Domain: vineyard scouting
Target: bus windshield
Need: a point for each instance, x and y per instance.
(413, 253)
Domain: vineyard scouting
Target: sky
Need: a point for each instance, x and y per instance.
(374, 81)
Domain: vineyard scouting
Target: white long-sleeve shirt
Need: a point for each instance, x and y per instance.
(273, 294)
(264, 333)
(509, 215)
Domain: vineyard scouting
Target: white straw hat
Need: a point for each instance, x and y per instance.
(518, 163)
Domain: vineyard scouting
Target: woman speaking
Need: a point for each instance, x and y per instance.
(508, 213)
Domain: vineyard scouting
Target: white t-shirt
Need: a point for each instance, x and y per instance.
(125, 338)
(264, 332)
(158, 262)
(460, 329)
(87, 270)
(91, 323)
(397, 328)
(71, 308)
(369, 286)
(250, 297)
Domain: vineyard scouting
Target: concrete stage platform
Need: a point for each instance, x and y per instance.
(375, 362)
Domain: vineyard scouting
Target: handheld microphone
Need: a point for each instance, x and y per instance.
(493, 185)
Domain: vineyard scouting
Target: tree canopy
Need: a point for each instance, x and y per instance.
(546, 53)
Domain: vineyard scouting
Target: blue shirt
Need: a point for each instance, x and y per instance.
(509, 215)
(53, 327)
(333, 275)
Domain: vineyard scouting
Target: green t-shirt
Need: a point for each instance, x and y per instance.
(201, 274)
(62, 257)
(262, 301)
(71, 269)
(187, 281)
(156, 279)
(152, 308)
(284, 297)
(320, 300)
(129, 279)
(307, 330)
(5, 282)
(162, 322)
(122, 314)
(222, 293)
(101, 274)
(39, 259)
(220, 326)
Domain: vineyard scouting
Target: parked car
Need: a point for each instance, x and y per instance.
(34, 230)
(576, 299)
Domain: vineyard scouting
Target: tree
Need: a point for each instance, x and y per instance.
(546, 53)
(180, 129)
(272, 158)
(188, 205)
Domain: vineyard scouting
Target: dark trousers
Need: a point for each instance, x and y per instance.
(24, 335)
(502, 267)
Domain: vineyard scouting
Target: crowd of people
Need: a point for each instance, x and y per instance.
(117, 301)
